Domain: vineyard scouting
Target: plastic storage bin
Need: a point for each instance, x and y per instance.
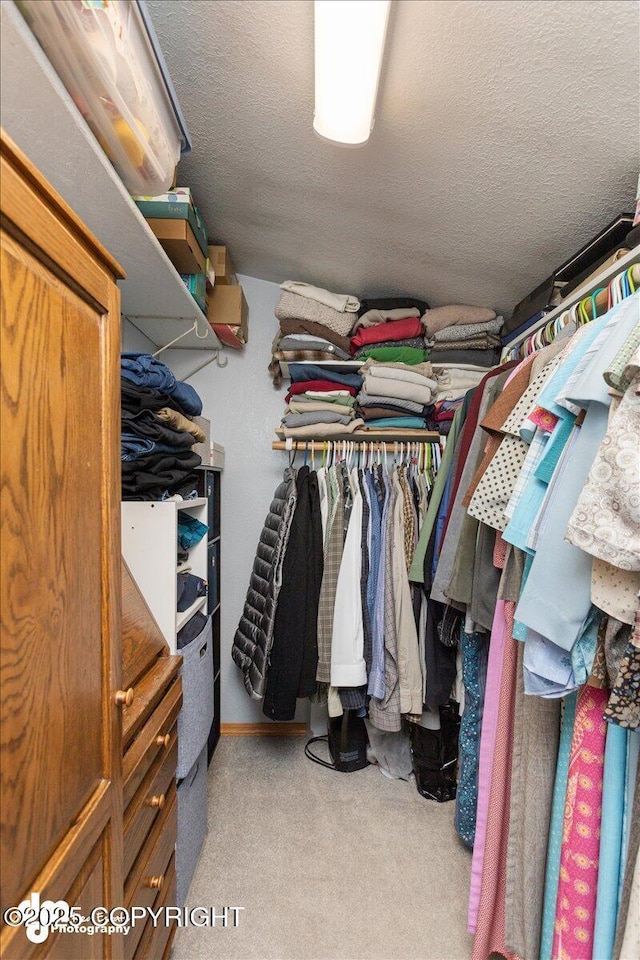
(192, 824)
(196, 716)
(107, 56)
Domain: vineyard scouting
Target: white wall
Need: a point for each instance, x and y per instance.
(244, 409)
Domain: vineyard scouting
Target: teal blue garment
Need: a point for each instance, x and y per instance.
(390, 423)
(554, 448)
(554, 848)
(633, 756)
(584, 649)
(416, 573)
(611, 830)
(519, 629)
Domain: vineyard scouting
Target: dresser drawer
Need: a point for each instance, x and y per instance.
(147, 693)
(154, 939)
(153, 739)
(146, 881)
(149, 801)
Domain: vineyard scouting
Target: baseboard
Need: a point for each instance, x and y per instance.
(263, 729)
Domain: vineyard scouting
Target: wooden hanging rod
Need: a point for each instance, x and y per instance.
(409, 436)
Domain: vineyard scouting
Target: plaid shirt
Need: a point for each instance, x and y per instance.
(334, 543)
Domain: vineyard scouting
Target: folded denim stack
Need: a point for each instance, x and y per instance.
(462, 334)
(396, 396)
(314, 325)
(320, 403)
(157, 431)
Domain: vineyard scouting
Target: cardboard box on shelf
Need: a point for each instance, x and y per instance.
(182, 210)
(222, 265)
(228, 315)
(179, 243)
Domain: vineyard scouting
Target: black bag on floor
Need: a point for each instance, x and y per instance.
(347, 740)
(435, 755)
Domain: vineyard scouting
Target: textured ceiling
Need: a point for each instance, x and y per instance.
(506, 135)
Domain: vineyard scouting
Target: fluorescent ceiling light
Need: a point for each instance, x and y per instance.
(349, 43)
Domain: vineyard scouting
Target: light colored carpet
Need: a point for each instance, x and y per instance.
(329, 866)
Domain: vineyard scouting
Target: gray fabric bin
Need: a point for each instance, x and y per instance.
(192, 824)
(196, 716)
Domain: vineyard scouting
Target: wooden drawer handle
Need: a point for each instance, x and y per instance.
(156, 801)
(163, 741)
(124, 698)
(154, 883)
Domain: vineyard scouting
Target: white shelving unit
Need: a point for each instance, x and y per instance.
(149, 547)
(41, 117)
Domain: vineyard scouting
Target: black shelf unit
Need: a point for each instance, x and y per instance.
(209, 486)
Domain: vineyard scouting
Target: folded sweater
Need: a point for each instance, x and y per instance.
(343, 302)
(391, 303)
(403, 351)
(373, 317)
(454, 315)
(394, 330)
(468, 331)
(300, 404)
(298, 325)
(293, 306)
(309, 419)
(400, 389)
(320, 431)
(309, 371)
(317, 386)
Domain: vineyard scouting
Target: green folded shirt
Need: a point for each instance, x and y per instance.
(408, 355)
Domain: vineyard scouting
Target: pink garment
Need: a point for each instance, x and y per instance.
(544, 419)
(485, 765)
(394, 330)
(577, 888)
(490, 925)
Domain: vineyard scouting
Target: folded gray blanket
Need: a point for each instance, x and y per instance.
(401, 389)
(484, 342)
(291, 306)
(468, 331)
(309, 419)
(313, 343)
(365, 399)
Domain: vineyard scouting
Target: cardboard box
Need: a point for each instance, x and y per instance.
(222, 265)
(165, 210)
(179, 243)
(228, 315)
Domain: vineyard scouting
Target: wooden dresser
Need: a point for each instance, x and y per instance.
(88, 709)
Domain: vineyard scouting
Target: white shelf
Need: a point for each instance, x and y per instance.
(584, 290)
(186, 615)
(188, 504)
(41, 117)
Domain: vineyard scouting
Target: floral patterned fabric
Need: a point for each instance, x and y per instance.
(606, 520)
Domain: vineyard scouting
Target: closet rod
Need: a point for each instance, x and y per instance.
(580, 293)
(377, 442)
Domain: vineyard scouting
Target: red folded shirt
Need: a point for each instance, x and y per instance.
(393, 330)
(320, 386)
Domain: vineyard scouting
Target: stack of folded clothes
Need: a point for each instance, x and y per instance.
(390, 330)
(320, 403)
(460, 334)
(396, 396)
(314, 325)
(157, 431)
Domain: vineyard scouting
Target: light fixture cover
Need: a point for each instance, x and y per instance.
(349, 43)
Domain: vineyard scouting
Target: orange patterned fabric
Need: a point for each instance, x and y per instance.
(577, 889)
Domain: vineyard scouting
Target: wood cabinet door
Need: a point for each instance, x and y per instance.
(60, 593)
